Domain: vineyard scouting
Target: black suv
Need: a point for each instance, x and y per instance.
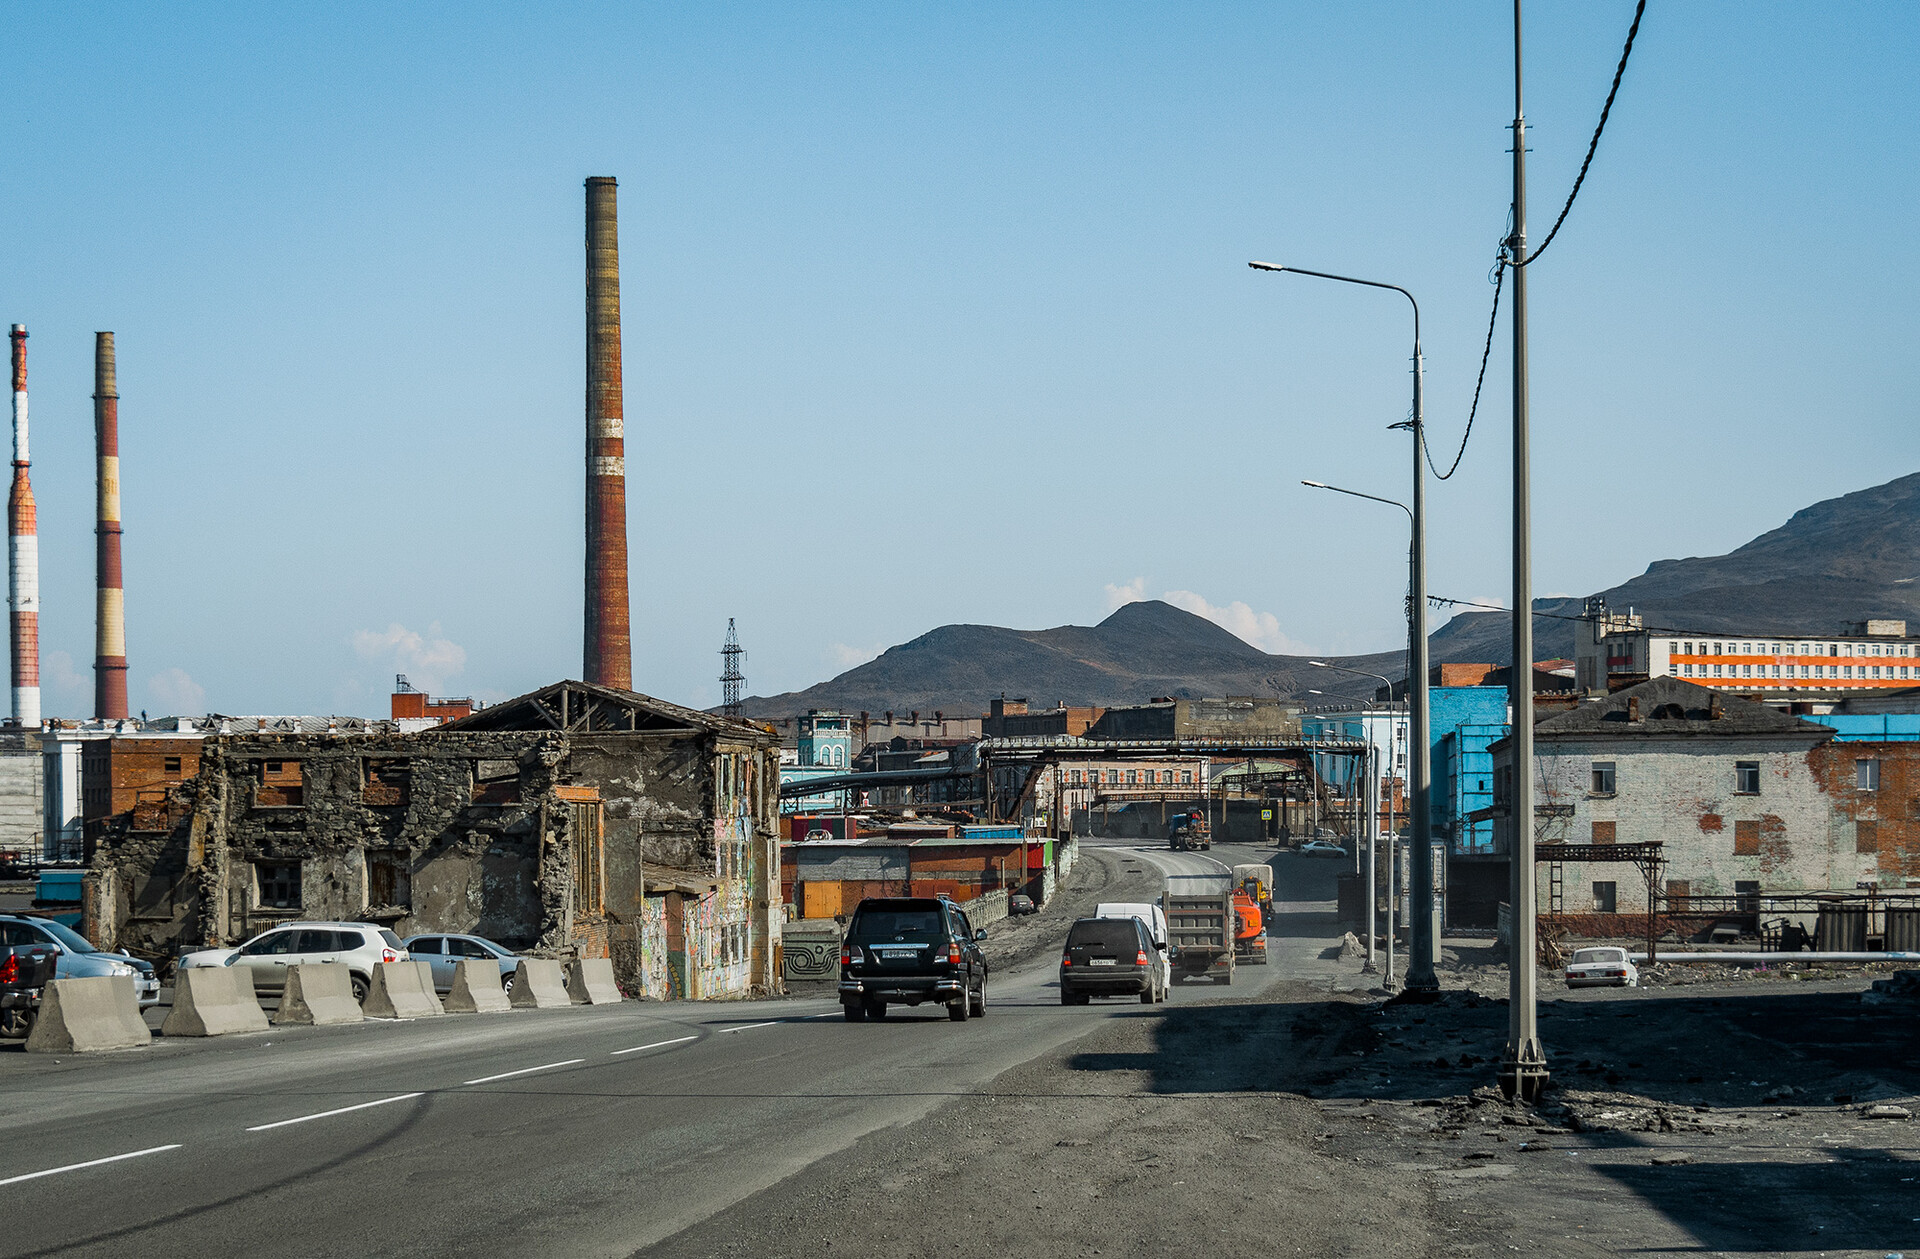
(909, 949)
(1110, 957)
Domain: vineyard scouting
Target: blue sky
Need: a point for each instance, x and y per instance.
(931, 315)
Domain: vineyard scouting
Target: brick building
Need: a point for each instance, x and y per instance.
(576, 820)
(1745, 800)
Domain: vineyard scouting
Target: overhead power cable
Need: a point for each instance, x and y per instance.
(1504, 260)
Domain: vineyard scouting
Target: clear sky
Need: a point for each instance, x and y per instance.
(932, 313)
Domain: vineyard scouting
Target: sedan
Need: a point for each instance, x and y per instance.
(1602, 968)
(78, 958)
(1321, 848)
(1021, 904)
(444, 953)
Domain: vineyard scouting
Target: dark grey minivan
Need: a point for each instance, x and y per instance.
(1110, 957)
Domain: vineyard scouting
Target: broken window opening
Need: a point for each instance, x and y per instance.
(389, 880)
(277, 884)
(589, 875)
(385, 783)
(282, 785)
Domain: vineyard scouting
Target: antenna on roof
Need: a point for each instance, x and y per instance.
(730, 675)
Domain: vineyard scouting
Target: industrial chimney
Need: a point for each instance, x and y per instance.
(110, 601)
(23, 555)
(609, 643)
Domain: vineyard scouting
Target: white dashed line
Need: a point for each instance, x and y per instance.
(325, 1114)
(658, 1044)
(508, 1075)
(750, 1026)
(74, 1167)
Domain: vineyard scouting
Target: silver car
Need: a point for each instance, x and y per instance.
(359, 946)
(78, 958)
(444, 953)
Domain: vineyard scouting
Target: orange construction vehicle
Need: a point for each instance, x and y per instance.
(1250, 935)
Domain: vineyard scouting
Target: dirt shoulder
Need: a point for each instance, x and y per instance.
(1735, 1119)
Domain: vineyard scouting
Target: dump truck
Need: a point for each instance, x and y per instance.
(1257, 882)
(1201, 924)
(1186, 831)
(1250, 932)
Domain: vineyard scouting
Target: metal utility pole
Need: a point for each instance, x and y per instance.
(1523, 1067)
(1425, 942)
(730, 676)
(1369, 791)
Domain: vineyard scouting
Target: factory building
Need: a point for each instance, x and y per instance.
(1615, 649)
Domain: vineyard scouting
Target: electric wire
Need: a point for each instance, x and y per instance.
(1505, 259)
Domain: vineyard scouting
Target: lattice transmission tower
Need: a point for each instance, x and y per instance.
(730, 675)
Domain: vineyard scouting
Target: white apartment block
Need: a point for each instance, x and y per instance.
(1613, 645)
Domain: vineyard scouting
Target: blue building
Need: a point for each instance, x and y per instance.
(1873, 727)
(1465, 721)
(826, 739)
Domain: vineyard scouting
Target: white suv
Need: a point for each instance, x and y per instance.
(359, 946)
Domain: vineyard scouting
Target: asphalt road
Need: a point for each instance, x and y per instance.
(567, 1132)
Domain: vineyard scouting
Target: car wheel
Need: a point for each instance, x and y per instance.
(876, 1009)
(957, 1010)
(1066, 998)
(360, 989)
(855, 1013)
(979, 1009)
(1146, 994)
(1225, 977)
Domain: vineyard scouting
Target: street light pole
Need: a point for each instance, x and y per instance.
(1375, 781)
(1420, 973)
(1523, 1067)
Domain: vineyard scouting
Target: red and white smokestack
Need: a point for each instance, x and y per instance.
(23, 555)
(110, 599)
(609, 641)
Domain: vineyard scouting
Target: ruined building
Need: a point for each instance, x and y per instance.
(573, 821)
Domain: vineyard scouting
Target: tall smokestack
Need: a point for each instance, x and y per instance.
(23, 554)
(110, 599)
(609, 641)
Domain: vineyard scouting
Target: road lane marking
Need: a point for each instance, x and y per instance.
(326, 1114)
(749, 1027)
(74, 1167)
(507, 1075)
(658, 1044)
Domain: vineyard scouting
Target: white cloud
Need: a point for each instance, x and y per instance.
(845, 657)
(428, 660)
(1120, 596)
(1262, 629)
(177, 692)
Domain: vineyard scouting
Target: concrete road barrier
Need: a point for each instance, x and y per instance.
(318, 995)
(476, 988)
(213, 1001)
(82, 1015)
(590, 981)
(539, 985)
(403, 990)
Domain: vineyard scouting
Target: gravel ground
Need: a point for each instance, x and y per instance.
(1723, 1117)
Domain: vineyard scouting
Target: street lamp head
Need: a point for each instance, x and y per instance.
(1317, 485)
(1318, 664)
(1266, 266)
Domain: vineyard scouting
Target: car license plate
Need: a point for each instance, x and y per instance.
(1102, 961)
(897, 955)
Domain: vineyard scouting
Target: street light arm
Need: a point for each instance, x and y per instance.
(1348, 279)
(1358, 673)
(1391, 502)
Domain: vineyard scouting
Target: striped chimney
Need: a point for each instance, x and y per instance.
(110, 600)
(23, 555)
(609, 641)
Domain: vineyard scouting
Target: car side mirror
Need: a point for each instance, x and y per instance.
(980, 934)
(1161, 945)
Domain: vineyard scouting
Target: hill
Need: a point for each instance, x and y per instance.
(1144, 650)
(1845, 559)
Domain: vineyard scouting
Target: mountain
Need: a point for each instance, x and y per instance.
(1846, 559)
(1144, 650)
(1850, 558)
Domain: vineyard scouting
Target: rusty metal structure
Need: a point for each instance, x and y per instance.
(23, 555)
(609, 641)
(110, 601)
